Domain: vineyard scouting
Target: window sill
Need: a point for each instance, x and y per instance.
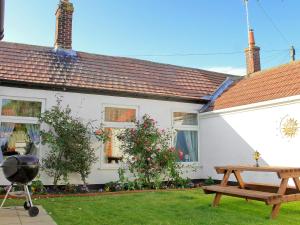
(106, 166)
(194, 164)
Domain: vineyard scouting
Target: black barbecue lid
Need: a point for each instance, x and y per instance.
(21, 160)
(21, 168)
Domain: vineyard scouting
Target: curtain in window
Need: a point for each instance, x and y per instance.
(6, 130)
(187, 142)
(191, 142)
(33, 132)
(112, 147)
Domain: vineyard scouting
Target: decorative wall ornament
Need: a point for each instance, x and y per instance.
(256, 157)
(289, 127)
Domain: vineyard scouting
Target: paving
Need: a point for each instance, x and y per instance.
(16, 215)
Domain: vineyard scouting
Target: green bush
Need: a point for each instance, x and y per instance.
(149, 156)
(209, 181)
(113, 186)
(2, 191)
(37, 186)
(70, 188)
(69, 140)
(183, 183)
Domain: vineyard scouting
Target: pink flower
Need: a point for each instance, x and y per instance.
(98, 132)
(148, 159)
(180, 154)
(172, 149)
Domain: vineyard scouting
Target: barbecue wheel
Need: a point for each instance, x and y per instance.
(26, 205)
(33, 211)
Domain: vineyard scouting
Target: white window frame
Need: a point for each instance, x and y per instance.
(22, 119)
(122, 125)
(187, 128)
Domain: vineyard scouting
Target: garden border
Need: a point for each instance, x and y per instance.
(92, 194)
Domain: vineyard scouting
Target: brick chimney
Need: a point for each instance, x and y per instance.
(64, 17)
(252, 55)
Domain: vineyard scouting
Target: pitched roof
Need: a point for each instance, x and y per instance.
(278, 82)
(41, 66)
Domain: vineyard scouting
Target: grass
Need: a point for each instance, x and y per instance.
(163, 208)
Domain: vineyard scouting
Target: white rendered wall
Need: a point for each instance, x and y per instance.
(231, 136)
(89, 108)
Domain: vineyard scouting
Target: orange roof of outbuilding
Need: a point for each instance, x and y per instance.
(278, 82)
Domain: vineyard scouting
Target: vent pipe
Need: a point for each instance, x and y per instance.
(292, 53)
(1, 19)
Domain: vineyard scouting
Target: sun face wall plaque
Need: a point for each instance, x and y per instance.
(289, 127)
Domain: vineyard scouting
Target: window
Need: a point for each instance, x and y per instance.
(20, 108)
(19, 128)
(112, 147)
(186, 135)
(113, 114)
(116, 119)
(181, 118)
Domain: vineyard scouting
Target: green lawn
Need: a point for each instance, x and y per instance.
(174, 207)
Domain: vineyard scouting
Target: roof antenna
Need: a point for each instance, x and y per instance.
(292, 53)
(248, 22)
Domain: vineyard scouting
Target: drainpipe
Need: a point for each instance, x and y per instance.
(1, 19)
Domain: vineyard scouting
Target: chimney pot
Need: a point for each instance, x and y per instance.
(252, 55)
(251, 38)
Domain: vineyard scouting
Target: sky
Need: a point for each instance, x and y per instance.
(192, 33)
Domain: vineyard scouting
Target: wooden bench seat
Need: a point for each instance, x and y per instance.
(268, 198)
(269, 188)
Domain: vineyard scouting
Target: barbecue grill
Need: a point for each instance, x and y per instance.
(21, 169)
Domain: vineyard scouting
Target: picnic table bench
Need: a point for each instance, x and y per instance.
(270, 194)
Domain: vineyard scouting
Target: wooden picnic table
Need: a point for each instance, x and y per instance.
(270, 194)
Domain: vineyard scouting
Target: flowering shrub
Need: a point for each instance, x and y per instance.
(69, 140)
(37, 186)
(102, 135)
(148, 155)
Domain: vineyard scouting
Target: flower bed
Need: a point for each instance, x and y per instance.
(91, 194)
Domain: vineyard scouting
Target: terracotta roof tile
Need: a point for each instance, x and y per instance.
(279, 82)
(41, 65)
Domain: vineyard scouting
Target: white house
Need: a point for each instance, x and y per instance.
(103, 89)
(218, 118)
